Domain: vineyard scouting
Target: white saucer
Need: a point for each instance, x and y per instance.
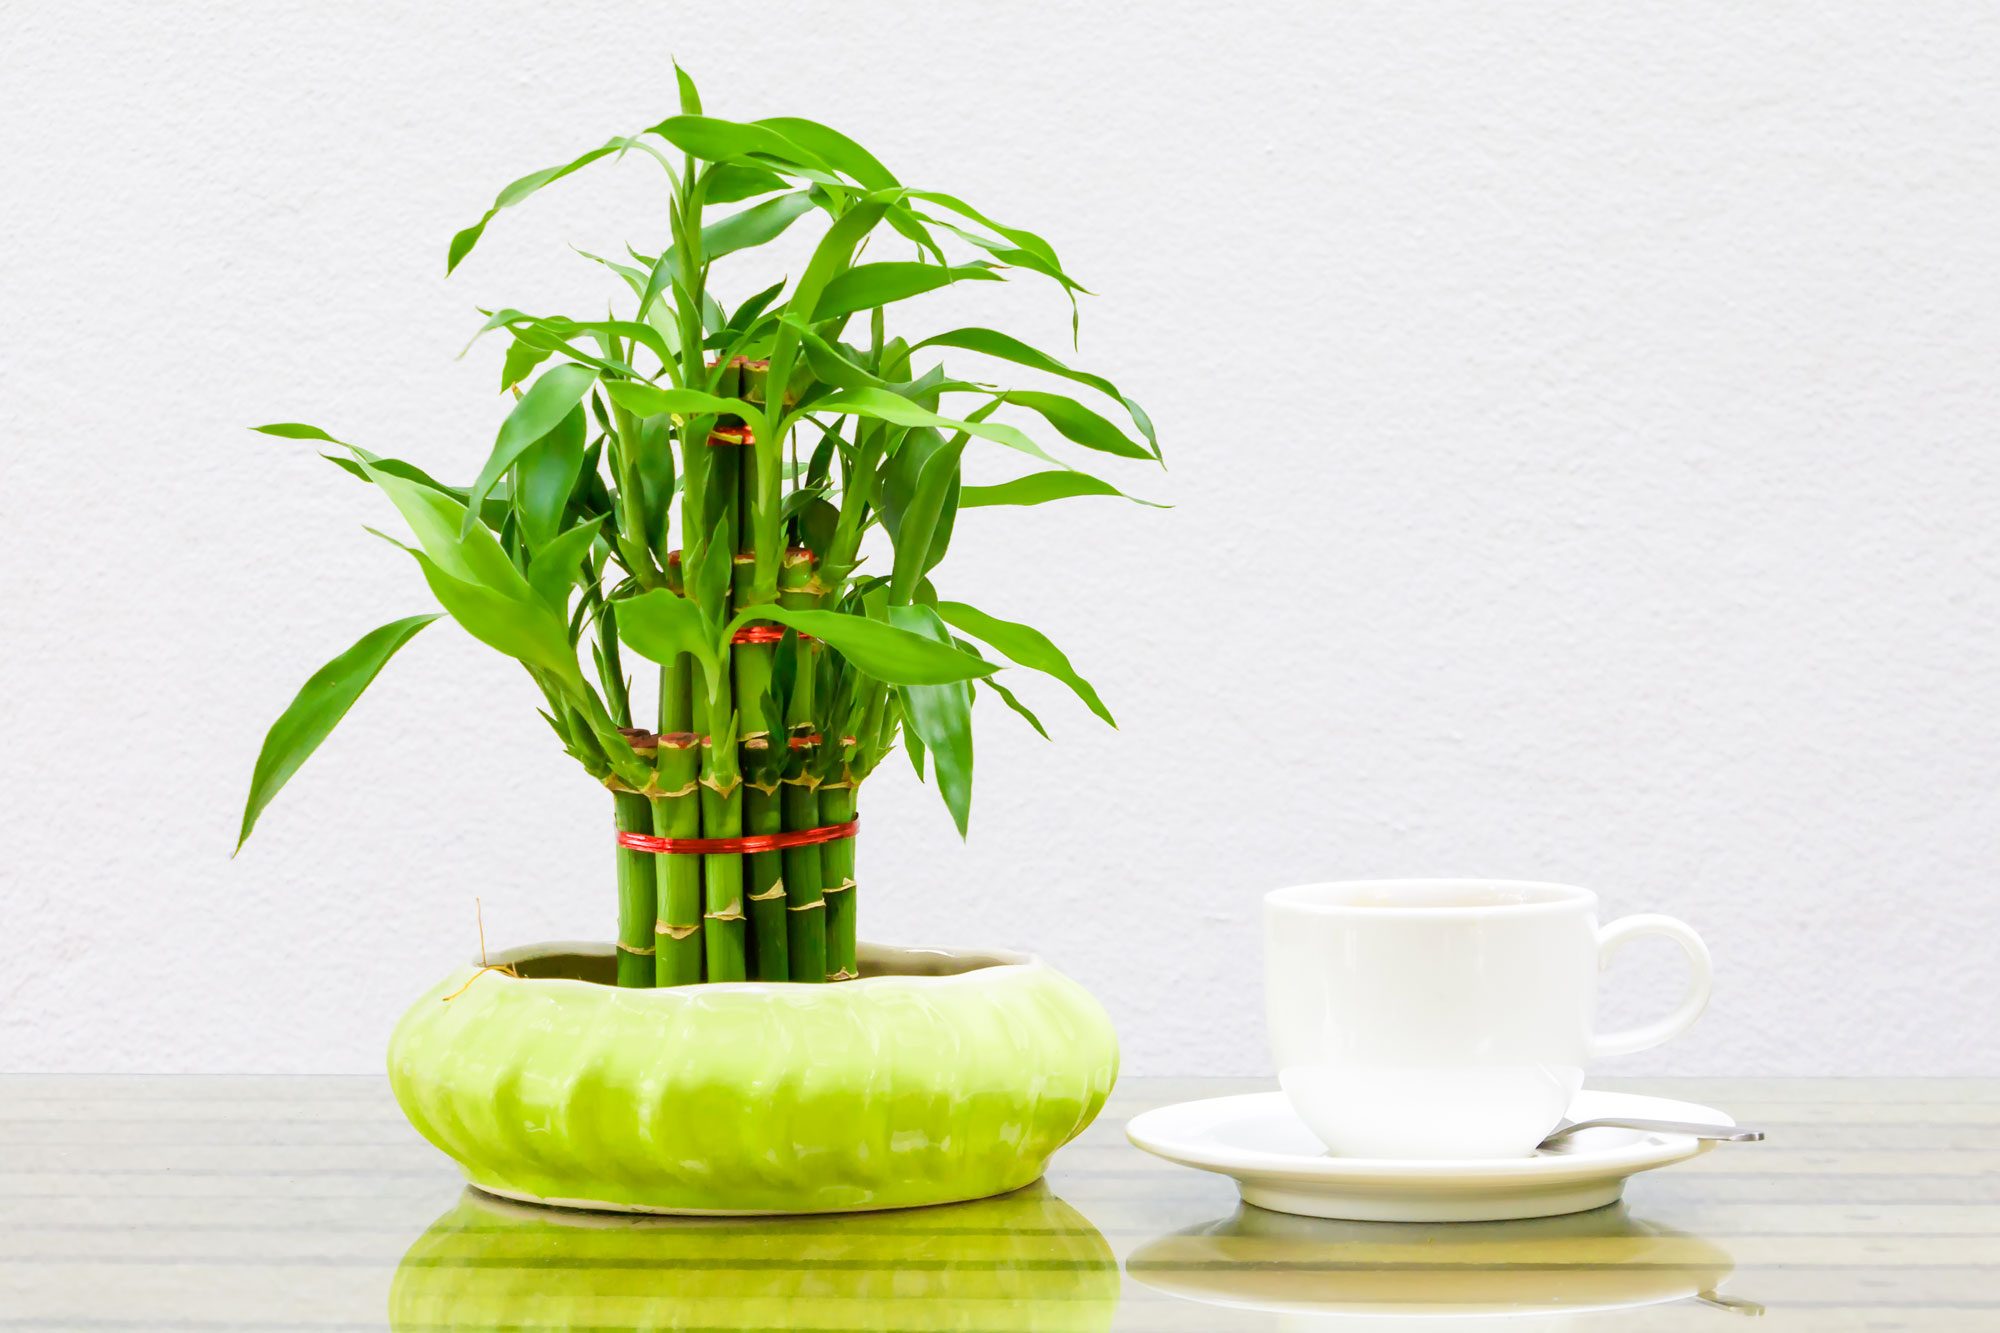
(1278, 1164)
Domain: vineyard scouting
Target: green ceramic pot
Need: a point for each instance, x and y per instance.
(1025, 1260)
(937, 1076)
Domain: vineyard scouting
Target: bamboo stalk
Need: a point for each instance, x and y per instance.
(805, 882)
(677, 941)
(722, 817)
(723, 936)
(635, 893)
(837, 806)
(764, 882)
(764, 760)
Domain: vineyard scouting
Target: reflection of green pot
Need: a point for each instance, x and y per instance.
(1024, 1260)
(937, 1076)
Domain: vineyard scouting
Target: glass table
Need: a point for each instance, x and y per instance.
(307, 1204)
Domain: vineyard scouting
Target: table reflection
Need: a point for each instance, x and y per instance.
(1316, 1272)
(489, 1263)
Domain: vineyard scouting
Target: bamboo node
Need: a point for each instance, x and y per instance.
(806, 780)
(845, 886)
(728, 914)
(724, 789)
(671, 932)
(808, 907)
(633, 948)
(775, 891)
(663, 794)
(843, 975)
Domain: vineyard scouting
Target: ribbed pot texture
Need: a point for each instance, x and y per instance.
(938, 1076)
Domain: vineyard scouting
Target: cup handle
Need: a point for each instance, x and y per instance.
(1648, 1035)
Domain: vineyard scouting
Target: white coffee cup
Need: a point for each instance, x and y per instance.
(1429, 1018)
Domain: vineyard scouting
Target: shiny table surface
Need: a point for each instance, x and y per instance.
(307, 1204)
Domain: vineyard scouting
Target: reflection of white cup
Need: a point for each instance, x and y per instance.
(1446, 1017)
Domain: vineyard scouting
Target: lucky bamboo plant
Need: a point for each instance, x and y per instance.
(700, 485)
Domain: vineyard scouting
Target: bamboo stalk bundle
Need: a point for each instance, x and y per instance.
(754, 498)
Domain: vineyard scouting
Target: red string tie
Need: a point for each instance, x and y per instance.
(763, 634)
(757, 842)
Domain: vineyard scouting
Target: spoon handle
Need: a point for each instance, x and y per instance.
(1720, 1133)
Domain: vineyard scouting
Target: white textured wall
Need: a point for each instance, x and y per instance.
(1582, 424)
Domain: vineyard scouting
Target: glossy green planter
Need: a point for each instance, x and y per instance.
(938, 1076)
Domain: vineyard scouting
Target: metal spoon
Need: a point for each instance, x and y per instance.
(1720, 1133)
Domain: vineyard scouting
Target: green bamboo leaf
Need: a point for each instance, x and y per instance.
(732, 182)
(546, 477)
(522, 358)
(297, 430)
(755, 225)
(654, 452)
(865, 286)
(1007, 697)
(895, 656)
(991, 342)
(466, 552)
(708, 569)
(559, 566)
(907, 224)
(664, 274)
(293, 430)
(461, 244)
(745, 316)
(830, 182)
(1077, 422)
(941, 717)
(917, 524)
(715, 140)
(941, 530)
(835, 149)
(1040, 488)
(317, 709)
(395, 467)
(1013, 256)
(1025, 645)
(896, 482)
(547, 403)
(881, 405)
(834, 365)
(525, 629)
(646, 400)
(493, 512)
(833, 255)
(1026, 240)
(662, 625)
(690, 97)
(652, 315)
(558, 333)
